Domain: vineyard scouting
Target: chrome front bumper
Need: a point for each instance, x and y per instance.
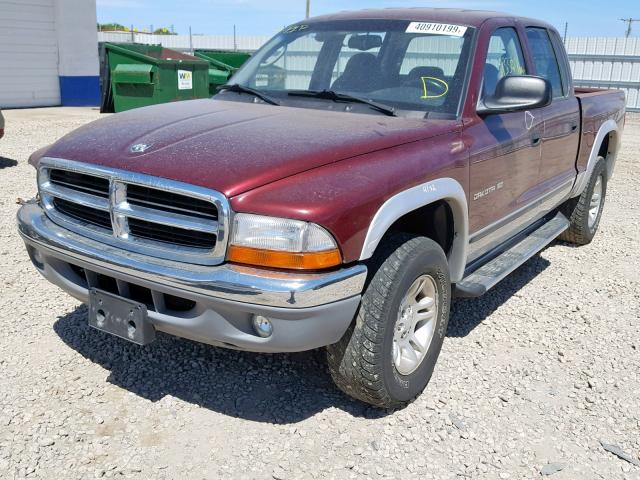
(321, 305)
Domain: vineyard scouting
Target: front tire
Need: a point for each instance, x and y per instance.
(387, 356)
(584, 212)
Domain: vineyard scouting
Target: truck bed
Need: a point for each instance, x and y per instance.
(597, 105)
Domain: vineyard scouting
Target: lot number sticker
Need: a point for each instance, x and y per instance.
(185, 80)
(436, 29)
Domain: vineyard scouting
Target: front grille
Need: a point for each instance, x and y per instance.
(144, 214)
(167, 234)
(80, 182)
(89, 215)
(170, 202)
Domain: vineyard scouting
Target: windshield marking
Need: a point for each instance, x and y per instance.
(436, 29)
(437, 80)
(295, 28)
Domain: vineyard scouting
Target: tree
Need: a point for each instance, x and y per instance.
(163, 31)
(112, 27)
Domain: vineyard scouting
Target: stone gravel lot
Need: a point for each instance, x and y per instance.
(532, 377)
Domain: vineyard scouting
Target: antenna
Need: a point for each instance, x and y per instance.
(629, 22)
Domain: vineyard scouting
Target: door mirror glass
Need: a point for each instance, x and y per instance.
(516, 93)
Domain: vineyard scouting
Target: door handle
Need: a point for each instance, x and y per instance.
(574, 128)
(535, 141)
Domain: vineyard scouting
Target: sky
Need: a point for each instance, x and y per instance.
(266, 17)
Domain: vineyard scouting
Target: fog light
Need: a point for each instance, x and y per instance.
(36, 258)
(262, 326)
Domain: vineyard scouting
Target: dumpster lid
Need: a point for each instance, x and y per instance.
(153, 53)
(132, 73)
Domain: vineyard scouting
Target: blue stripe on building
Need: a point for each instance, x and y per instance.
(80, 91)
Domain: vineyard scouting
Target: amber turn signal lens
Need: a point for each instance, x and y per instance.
(289, 260)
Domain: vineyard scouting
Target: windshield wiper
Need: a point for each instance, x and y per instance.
(344, 97)
(236, 87)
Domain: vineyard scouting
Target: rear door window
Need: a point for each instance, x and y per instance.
(544, 58)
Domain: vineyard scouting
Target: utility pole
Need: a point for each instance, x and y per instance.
(235, 39)
(629, 22)
(190, 41)
(566, 29)
(308, 8)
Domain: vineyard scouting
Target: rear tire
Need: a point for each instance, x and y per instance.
(584, 212)
(387, 356)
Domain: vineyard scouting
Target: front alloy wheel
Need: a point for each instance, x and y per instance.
(387, 356)
(415, 325)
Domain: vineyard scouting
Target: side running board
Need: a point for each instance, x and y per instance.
(488, 275)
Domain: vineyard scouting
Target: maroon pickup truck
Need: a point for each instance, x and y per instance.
(358, 172)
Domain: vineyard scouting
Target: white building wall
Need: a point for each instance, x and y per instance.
(28, 54)
(77, 37)
(78, 66)
(48, 53)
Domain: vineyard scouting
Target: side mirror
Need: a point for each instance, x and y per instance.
(517, 93)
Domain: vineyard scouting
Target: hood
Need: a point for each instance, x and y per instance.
(233, 147)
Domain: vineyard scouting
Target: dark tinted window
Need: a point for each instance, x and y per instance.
(563, 60)
(544, 58)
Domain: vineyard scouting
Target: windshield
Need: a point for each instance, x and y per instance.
(412, 67)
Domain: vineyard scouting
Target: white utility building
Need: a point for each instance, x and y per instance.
(48, 53)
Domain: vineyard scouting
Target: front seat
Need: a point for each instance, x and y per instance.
(361, 74)
(490, 80)
(414, 78)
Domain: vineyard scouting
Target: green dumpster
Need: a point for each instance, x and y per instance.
(222, 65)
(142, 75)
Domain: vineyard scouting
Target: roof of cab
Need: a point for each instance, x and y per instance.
(472, 18)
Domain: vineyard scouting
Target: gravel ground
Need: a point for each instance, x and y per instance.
(532, 377)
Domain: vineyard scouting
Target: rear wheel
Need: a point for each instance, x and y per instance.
(584, 212)
(387, 356)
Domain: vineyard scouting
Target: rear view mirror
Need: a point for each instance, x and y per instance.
(516, 93)
(365, 42)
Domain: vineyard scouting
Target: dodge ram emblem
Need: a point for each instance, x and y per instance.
(139, 148)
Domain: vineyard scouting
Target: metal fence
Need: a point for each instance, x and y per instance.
(187, 42)
(607, 63)
(595, 61)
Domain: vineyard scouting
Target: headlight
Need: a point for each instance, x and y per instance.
(281, 243)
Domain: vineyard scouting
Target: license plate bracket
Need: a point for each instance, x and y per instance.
(120, 316)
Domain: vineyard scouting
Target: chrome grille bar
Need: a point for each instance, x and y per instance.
(75, 196)
(119, 221)
(170, 231)
(166, 218)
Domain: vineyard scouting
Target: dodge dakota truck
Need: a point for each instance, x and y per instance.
(358, 172)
